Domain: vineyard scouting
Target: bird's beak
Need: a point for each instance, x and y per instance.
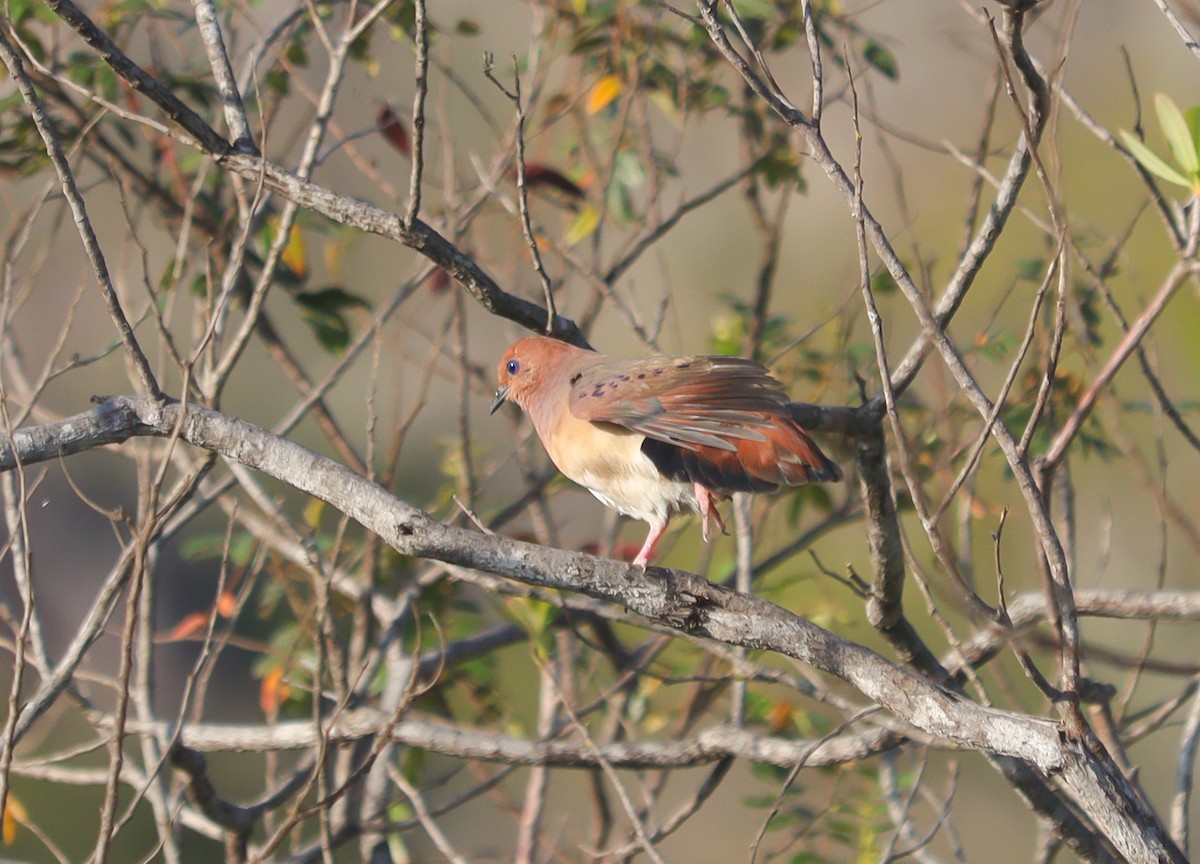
(498, 399)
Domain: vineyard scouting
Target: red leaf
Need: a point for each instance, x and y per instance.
(439, 281)
(393, 130)
(540, 175)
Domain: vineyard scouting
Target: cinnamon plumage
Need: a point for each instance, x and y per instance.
(654, 436)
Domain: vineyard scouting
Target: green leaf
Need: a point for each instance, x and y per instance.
(760, 9)
(1152, 162)
(332, 298)
(1192, 117)
(779, 166)
(628, 170)
(806, 858)
(1179, 137)
(883, 283)
(323, 312)
(1030, 269)
(758, 706)
(208, 546)
(882, 59)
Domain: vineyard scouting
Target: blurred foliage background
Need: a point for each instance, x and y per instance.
(673, 213)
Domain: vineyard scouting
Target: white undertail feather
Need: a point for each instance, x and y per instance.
(608, 461)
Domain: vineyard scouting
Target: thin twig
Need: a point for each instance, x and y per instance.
(421, 84)
(514, 96)
(218, 61)
(1185, 763)
(1189, 40)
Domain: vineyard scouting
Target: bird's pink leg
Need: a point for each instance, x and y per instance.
(707, 510)
(656, 532)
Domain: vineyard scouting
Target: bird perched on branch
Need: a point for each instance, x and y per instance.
(654, 436)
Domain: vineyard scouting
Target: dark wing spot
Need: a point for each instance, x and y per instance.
(641, 375)
(622, 377)
(575, 378)
(598, 392)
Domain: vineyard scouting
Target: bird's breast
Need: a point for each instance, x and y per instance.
(609, 462)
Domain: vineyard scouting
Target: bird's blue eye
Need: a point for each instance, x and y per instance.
(512, 367)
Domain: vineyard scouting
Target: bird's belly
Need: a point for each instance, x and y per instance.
(612, 466)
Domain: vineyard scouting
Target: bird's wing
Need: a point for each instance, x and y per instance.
(690, 402)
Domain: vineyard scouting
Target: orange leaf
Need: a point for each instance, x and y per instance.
(294, 254)
(273, 691)
(781, 717)
(14, 814)
(588, 180)
(604, 91)
(197, 622)
(226, 604)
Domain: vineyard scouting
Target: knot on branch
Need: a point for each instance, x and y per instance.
(686, 599)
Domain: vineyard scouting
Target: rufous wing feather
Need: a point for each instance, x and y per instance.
(689, 402)
(722, 422)
(788, 457)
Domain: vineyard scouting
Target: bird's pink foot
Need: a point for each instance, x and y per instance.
(708, 510)
(642, 559)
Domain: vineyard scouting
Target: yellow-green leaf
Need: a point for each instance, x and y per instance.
(1152, 162)
(665, 103)
(583, 225)
(1192, 116)
(1179, 137)
(295, 253)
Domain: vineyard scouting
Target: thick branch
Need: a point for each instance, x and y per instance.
(673, 598)
(489, 746)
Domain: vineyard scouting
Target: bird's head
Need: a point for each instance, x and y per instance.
(524, 366)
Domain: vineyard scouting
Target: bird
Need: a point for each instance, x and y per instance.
(654, 436)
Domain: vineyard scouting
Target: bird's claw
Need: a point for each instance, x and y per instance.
(708, 510)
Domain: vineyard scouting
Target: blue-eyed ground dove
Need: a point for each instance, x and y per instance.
(653, 436)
